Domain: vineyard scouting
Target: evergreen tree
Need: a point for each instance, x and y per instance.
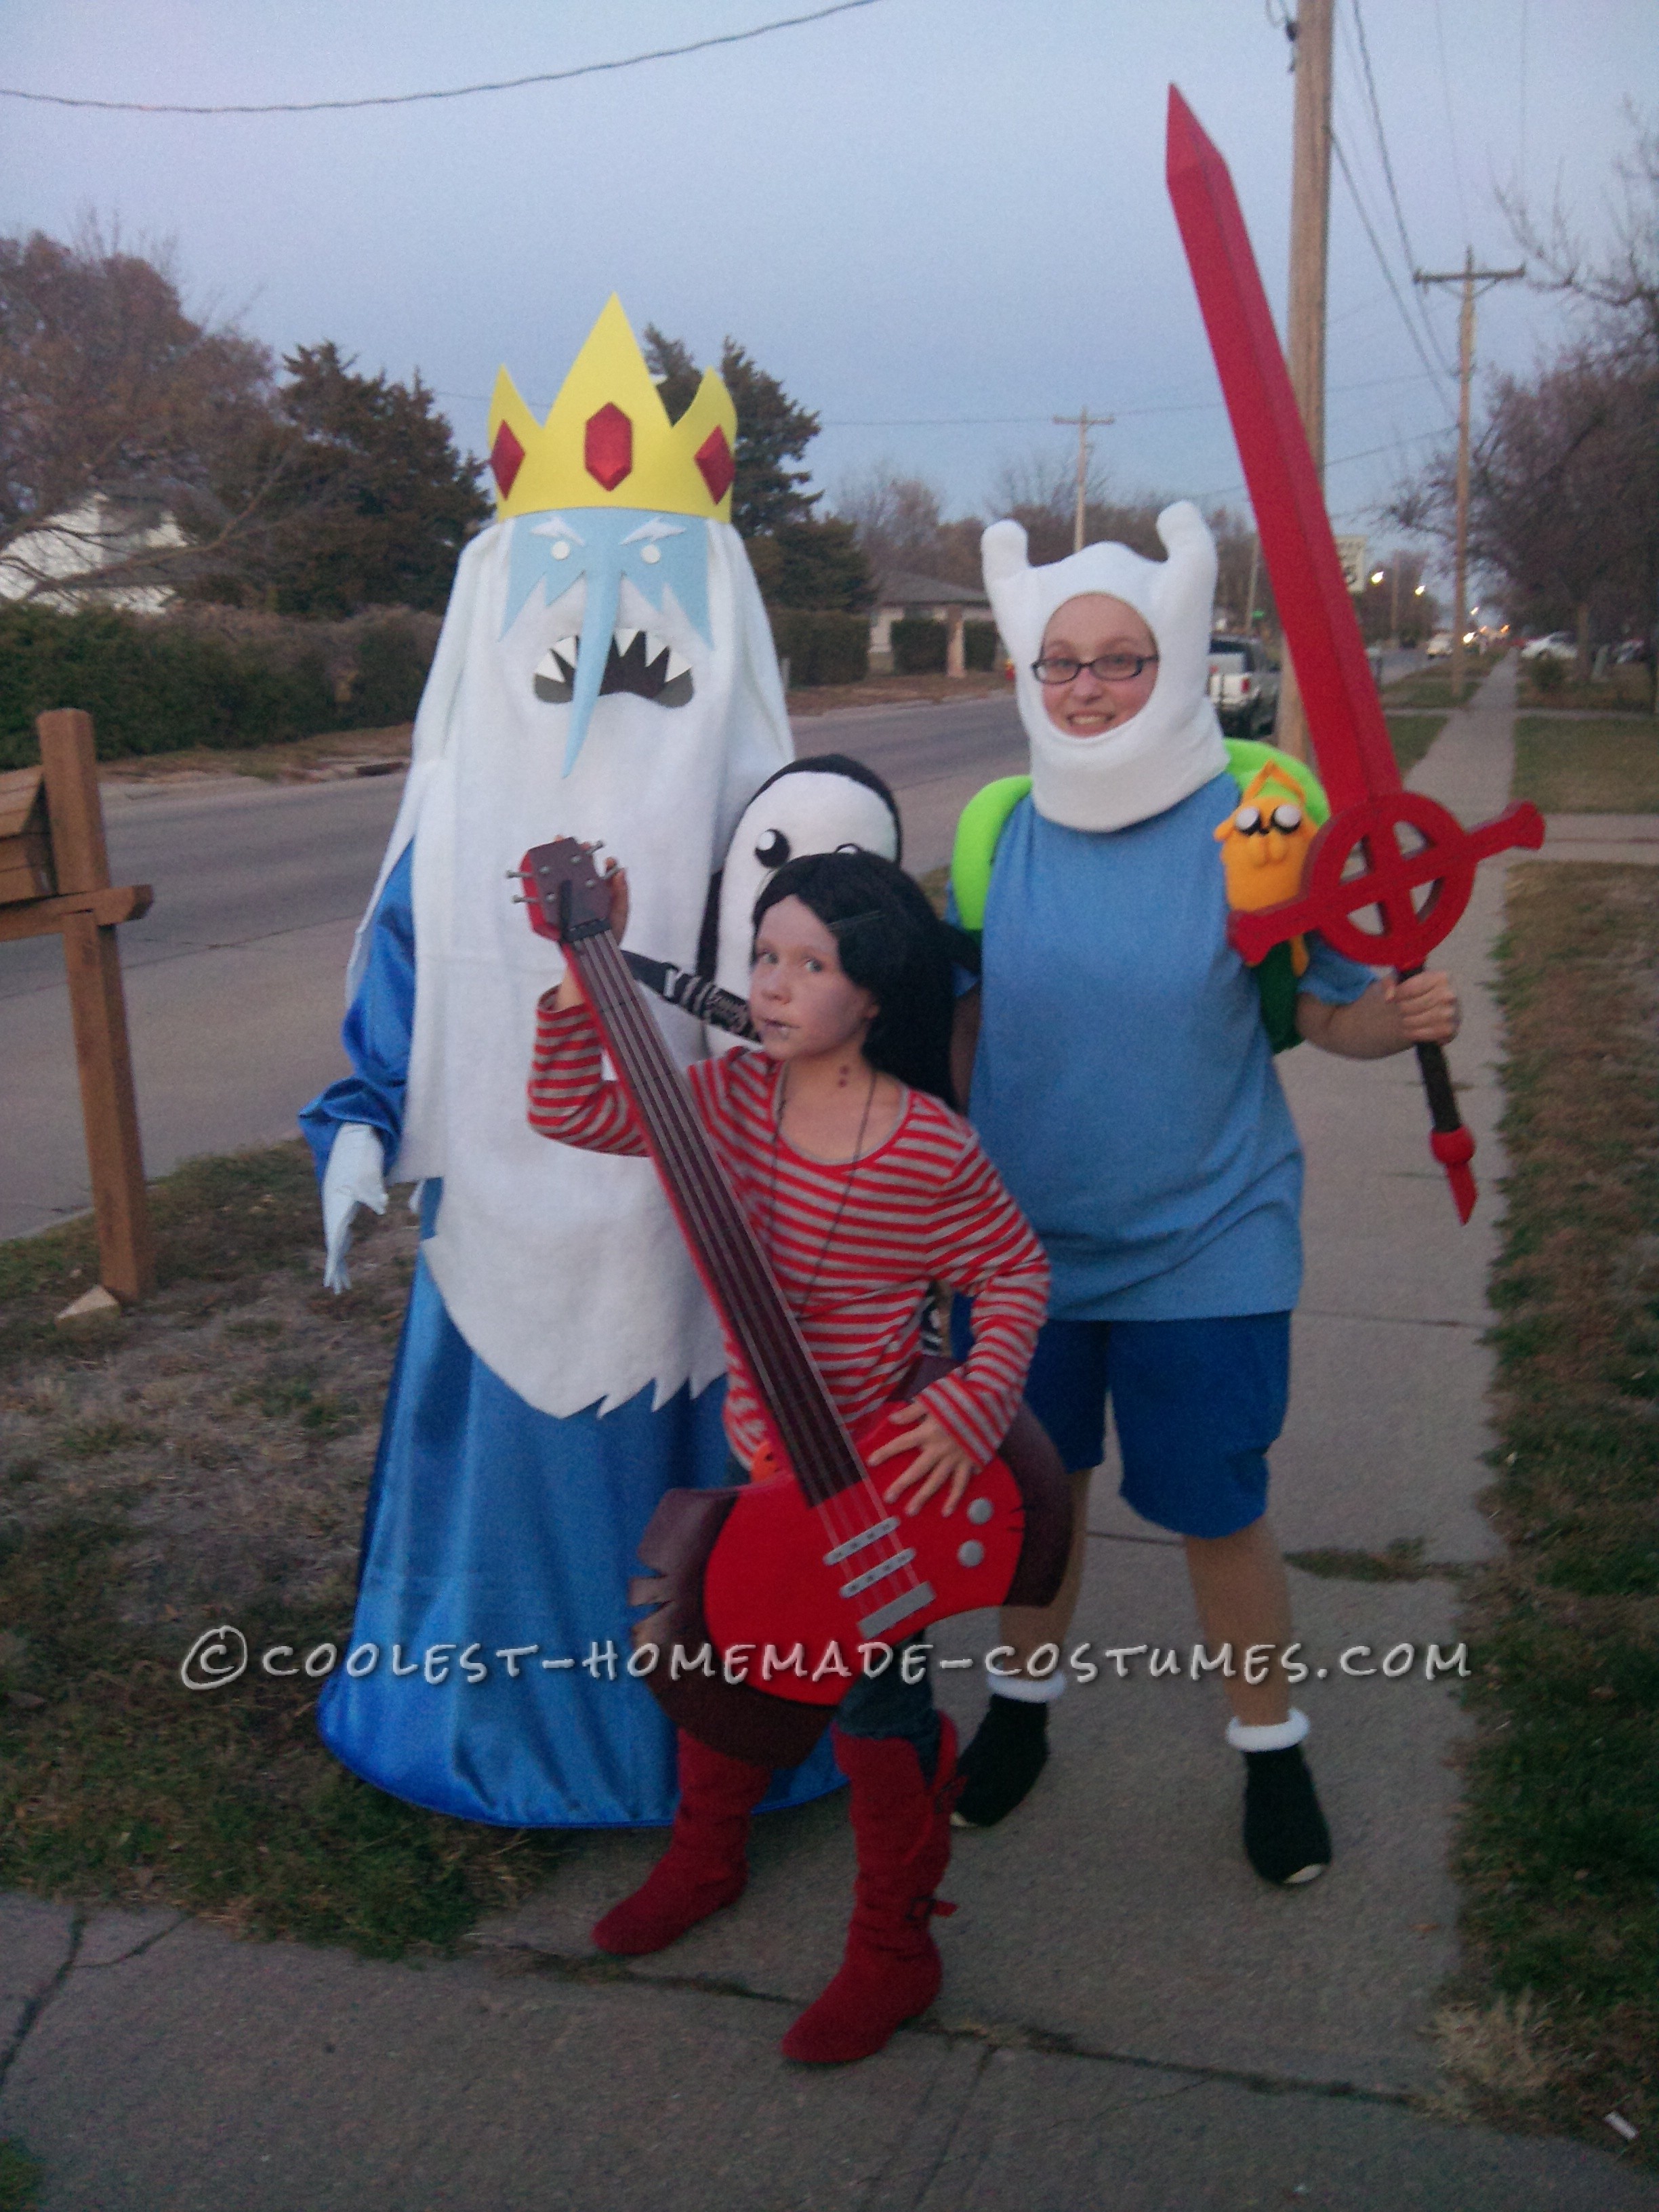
(772, 430)
(374, 502)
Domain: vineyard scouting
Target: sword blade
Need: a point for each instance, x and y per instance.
(1345, 715)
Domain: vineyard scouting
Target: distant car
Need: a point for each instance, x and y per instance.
(1559, 645)
(1439, 646)
(1243, 687)
(1632, 652)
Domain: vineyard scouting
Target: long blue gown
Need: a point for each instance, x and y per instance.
(492, 1527)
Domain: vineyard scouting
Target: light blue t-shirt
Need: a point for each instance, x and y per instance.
(1124, 1085)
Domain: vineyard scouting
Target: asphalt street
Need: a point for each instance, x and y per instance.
(234, 976)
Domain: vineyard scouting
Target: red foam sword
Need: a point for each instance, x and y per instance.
(1357, 865)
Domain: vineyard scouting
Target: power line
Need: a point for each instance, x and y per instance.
(453, 92)
(1010, 422)
(1451, 121)
(1382, 261)
(1370, 452)
(1382, 137)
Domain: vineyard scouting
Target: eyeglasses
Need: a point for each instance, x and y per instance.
(1111, 668)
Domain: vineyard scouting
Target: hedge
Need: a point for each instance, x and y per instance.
(920, 645)
(822, 647)
(979, 645)
(164, 685)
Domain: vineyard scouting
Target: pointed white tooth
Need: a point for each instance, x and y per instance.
(625, 639)
(566, 649)
(677, 666)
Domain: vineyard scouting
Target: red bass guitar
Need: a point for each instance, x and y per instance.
(770, 1597)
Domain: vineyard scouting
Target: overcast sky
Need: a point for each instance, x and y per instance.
(916, 210)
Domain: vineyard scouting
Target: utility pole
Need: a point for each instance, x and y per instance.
(1082, 424)
(1250, 596)
(1469, 277)
(1304, 335)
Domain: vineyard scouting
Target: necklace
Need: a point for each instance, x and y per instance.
(841, 1203)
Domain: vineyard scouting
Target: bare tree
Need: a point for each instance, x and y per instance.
(897, 517)
(116, 407)
(1619, 287)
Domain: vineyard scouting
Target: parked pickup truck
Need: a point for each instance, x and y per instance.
(1243, 687)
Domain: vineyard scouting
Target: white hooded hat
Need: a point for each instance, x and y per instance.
(1173, 746)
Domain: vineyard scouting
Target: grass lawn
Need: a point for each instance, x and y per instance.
(1411, 735)
(1602, 767)
(1622, 690)
(206, 1459)
(1559, 1849)
(1431, 687)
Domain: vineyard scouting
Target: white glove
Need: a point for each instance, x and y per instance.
(354, 1177)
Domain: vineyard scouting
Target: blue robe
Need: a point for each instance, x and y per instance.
(492, 1526)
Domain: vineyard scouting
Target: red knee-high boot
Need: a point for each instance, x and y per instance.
(704, 1867)
(892, 1969)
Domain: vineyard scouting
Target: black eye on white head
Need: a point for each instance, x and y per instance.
(1287, 818)
(773, 849)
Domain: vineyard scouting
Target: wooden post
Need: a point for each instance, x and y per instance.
(109, 1107)
(956, 660)
(1468, 276)
(1304, 333)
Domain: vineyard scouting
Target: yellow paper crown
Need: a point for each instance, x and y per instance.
(607, 440)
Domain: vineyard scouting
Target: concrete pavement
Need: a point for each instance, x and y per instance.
(1129, 2018)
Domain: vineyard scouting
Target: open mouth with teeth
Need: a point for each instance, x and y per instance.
(638, 661)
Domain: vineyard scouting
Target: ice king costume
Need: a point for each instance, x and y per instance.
(605, 671)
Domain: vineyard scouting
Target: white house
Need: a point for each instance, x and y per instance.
(102, 533)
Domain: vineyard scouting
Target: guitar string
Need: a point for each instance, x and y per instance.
(729, 1238)
(729, 1241)
(711, 1201)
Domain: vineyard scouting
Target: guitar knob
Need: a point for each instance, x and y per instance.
(970, 1554)
(980, 1512)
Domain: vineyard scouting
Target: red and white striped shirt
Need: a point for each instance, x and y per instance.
(855, 1244)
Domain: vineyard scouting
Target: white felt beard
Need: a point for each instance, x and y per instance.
(1173, 746)
(563, 1269)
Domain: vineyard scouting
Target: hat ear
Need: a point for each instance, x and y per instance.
(1004, 550)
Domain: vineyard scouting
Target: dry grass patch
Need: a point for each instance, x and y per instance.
(205, 1458)
(1560, 1841)
(295, 760)
(1588, 767)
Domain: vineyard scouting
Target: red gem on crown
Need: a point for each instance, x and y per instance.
(506, 458)
(714, 457)
(608, 445)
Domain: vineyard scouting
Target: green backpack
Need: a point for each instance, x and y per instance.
(980, 829)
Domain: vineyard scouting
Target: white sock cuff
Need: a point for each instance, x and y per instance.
(1275, 1735)
(1025, 1692)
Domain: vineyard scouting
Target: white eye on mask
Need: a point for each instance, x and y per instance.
(1173, 746)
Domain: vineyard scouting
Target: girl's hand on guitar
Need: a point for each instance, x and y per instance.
(938, 1460)
(569, 991)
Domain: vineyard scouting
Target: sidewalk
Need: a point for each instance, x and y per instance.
(1129, 2018)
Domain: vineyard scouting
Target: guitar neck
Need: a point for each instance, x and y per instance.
(729, 1257)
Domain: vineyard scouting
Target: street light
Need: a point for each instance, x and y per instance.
(1377, 575)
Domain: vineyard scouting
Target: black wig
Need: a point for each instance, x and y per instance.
(891, 944)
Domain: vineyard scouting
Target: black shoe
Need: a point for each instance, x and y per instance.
(1286, 1838)
(1004, 1759)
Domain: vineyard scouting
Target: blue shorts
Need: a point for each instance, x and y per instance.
(1197, 1404)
